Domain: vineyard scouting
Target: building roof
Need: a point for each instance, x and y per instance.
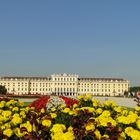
(101, 79)
(24, 78)
(49, 78)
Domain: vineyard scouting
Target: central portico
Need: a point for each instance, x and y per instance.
(64, 84)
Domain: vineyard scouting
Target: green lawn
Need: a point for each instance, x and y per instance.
(26, 103)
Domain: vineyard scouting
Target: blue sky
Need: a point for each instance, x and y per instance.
(94, 38)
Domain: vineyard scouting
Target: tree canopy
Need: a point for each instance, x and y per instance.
(134, 89)
(3, 90)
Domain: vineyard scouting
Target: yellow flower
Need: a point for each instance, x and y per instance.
(16, 120)
(53, 109)
(70, 129)
(90, 127)
(6, 113)
(105, 113)
(8, 132)
(74, 106)
(124, 112)
(97, 134)
(66, 110)
(3, 102)
(105, 136)
(62, 106)
(118, 109)
(18, 132)
(123, 120)
(110, 103)
(22, 114)
(53, 115)
(7, 125)
(58, 128)
(102, 121)
(90, 109)
(71, 112)
(86, 98)
(80, 97)
(21, 104)
(11, 102)
(68, 136)
(95, 104)
(2, 119)
(3, 127)
(62, 136)
(27, 109)
(138, 124)
(15, 109)
(132, 117)
(89, 96)
(28, 126)
(137, 108)
(57, 136)
(129, 130)
(99, 111)
(42, 110)
(1, 105)
(122, 136)
(46, 123)
(16, 115)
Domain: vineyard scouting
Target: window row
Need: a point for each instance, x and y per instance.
(65, 79)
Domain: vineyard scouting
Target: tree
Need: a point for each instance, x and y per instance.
(134, 89)
(3, 90)
(126, 93)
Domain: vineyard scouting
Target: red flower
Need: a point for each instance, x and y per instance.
(40, 103)
(69, 101)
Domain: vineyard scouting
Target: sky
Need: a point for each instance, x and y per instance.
(91, 38)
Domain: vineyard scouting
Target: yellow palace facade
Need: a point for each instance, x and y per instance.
(65, 84)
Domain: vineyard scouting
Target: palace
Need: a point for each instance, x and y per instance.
(65, 84)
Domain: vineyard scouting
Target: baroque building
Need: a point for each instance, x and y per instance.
(65, 84)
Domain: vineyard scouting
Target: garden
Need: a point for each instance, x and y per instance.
(63, 118)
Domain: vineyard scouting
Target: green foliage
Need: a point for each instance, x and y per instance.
(3, 90)
(83, 103)
(134, 89)
(63, 118)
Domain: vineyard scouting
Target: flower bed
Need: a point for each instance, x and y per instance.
(47, 102)
(85, 119)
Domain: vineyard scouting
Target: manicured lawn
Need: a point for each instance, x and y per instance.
(26, 103)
